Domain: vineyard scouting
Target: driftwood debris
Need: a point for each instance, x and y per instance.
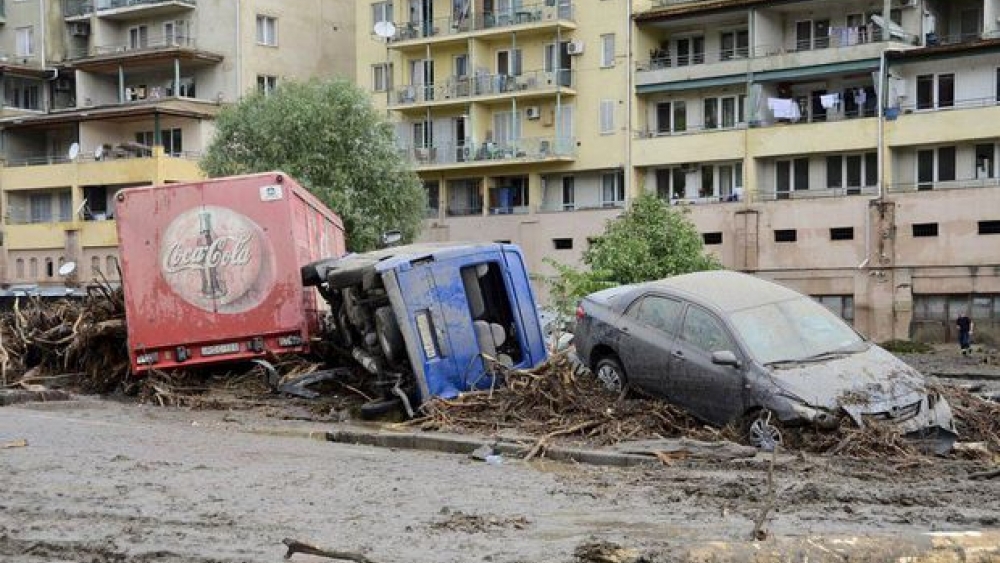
(22, 443)
(992, 474)
(296, 546)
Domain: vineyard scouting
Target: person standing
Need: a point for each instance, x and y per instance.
(964, 324)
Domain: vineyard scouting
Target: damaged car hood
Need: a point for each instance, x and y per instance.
(870, 381)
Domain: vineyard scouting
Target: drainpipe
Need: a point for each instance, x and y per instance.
(238, 93)
(41, 15)
(629, 95)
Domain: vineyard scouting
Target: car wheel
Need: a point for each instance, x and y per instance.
(611, 374)
(763, 432)
(390, 339)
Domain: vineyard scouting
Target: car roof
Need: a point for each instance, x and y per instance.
(724, 289)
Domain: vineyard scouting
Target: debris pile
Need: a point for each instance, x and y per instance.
(83, 340)
(976, 419)
(556, 400)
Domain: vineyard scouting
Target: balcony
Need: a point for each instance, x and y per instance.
(771, 194)
(525, 19)
(966, 184)
(519, 151)
(124, 10)
(150, 49)
(464, 89)
(843, 52)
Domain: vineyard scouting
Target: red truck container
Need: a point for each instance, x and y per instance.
(211, 269)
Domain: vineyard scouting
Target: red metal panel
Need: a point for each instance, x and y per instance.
(210, 266)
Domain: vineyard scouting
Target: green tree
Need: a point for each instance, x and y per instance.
(650, 241)
(327, 136)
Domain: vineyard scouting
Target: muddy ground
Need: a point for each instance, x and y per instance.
(111, 481)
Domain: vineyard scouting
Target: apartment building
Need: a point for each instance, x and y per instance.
(761, 118)
(100, 95)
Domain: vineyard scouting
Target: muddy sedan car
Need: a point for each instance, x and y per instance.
(725, 345)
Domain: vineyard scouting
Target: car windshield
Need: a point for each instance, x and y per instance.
(795, 330)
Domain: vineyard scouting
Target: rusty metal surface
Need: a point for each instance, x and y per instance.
(212, 265)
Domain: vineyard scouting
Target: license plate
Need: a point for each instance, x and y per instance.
(217, 349)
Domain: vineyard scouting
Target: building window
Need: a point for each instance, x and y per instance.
(791, 175)
(607, 117)
(841, 305)
(671, 183)
(984, 161)
(859, 170)
(568, 193)
(267, 31)
(946, 164)
(138, 37)
(19, 268)
(170, 139)
(49, 269)
(22, 93)
(612, 189)
(812, 34)
(735, 44)
(509, 62)
(690, 51)
(24, 38)
(433, 191)
(562, 243)
(925, 229)
(724, 112)
(671, 117)
(33, 268)
(842, 233)
(711, 238)
(41, 208)
(989, 227)
(945, 91)
(785, 235)
(266, 84)
(381, 12)
(65, 206)
(608, 50)
(381, 77)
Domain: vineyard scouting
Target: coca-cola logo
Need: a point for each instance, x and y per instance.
(217, 260)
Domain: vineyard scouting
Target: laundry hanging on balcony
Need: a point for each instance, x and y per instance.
(830, 101)
(784, 108)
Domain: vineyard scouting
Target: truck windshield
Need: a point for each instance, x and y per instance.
(795, 330)
(492, 314)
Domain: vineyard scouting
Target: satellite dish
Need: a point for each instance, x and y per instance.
(67, 269)
(74, 151)
(99, 152)
(384, 29)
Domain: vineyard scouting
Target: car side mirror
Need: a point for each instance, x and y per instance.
(725, 358)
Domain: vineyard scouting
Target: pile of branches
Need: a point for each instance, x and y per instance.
(84, 340)
(977, 419)
(557, 400)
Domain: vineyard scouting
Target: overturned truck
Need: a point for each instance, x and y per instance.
(427, 320)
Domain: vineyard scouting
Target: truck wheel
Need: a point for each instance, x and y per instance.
(375, 409)
(390, 339)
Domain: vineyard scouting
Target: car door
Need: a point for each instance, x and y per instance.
(650, 325)
(710, 391)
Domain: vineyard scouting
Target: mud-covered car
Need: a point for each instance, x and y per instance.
(422, 318)
(726, 346)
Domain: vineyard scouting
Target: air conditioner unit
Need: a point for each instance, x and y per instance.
(533, 112)
(575, 47)
(79, 29)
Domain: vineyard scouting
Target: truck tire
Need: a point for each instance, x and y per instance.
(390, 339)
(375, 409)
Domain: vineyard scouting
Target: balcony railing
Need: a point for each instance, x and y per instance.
(530, 148)
(548, 11)
(123, 151)
(482, 85)
(772, 195)
(839, 38)
(557, 207)
(970, 183)
(74, 8)
(148, 44)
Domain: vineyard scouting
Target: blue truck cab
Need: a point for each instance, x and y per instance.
(429, 320)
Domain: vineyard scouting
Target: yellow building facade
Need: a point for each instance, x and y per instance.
(107, 94)
(762, 119)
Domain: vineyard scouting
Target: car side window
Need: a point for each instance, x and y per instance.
(703, 330)
(658, 312)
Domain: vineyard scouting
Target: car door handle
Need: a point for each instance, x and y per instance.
(677, 354)
(623, 329)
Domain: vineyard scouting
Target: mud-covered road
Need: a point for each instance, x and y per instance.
(102, 481)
